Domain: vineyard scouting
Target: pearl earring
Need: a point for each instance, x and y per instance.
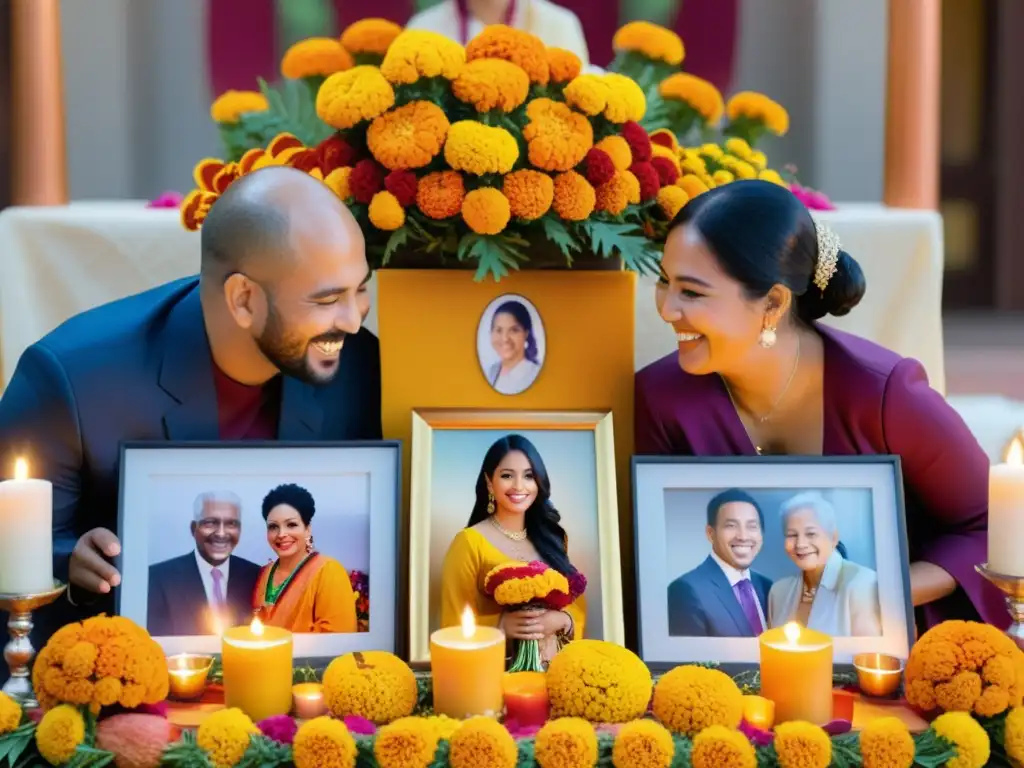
(768, 337)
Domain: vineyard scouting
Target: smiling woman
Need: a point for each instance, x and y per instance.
(511, 344)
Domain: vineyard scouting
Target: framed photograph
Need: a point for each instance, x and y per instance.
(728, 547)
(568, 463)
(510, 344)
(303, 536)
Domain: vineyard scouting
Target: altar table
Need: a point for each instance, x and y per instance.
(58, 261)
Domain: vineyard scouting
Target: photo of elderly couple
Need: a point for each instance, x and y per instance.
(772, 557)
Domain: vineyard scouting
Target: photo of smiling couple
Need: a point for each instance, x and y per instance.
(776, 556)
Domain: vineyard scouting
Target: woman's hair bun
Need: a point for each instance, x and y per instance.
(844, 291)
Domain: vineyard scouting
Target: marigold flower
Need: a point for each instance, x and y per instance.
(651, 40)
(665, 138)
(617, 148)
(225, 736)
(498, 41)
(444, 726)
(667, 168)
(740, 168)
(492, 84)
(60, 733)
(365, 181)
(575, 198)
(598, 166)
(638, 140)
(563, 65)
(692, 185)
(333, 153)
(409, 136)
(1013, 734)
(671, 200)
(970, 740)
(347, 98)
(626, 100)
(402, 184)
(481, 742)
(759, 108)
(598, 681)
(886, 743)
(324, 742)
(372, 36)
(386, 213)
(338, 181)
(647, 175)
(10, 714)
(231, 105)
(376, 685)
(802, 745)
(723, 177)
(690, 698)
(486, 211)
(440, 194)
(567, 742)
(530, 195)
(587, 93)
(614, 196)
(758, 159)
(418, 53)
(409, 742)
(557, 138)
(696, 92)
(315, 57)
(643, 744)
(480, 149)
(721, 747)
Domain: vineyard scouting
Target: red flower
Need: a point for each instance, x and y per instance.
(305, 161)
(663, 139)
(599, 167)
(638, 140)
(667, 171)
(649, 180)
(367, 180)
(402, 184)
(334, 153)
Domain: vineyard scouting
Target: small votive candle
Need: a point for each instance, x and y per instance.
(759, 712)
(526, 698)
(188, 674)
(878, 674)
(308, 701)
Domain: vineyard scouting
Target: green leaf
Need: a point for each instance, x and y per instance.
(186, 754)
(684, 747)
(931, 750)
(89, 757)
(625, 241)
(558, 233)
(14, 744)
(265, 753)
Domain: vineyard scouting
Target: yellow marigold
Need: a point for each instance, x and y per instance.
(769, 174)
(758, 159)
(574, 197)
(315, 57)
(337, 180)
(386, 212)
(634, 187)
(231, 105)
(970, 740)
(692, 185)
(626, 100)
(886, 743)
(376, 685)
(487, 211)
(1013, 734)
(409, 136)
(225, 736)
(587, 93)
(738, 147)
(710, 150)
(802, 745)
(671, 200)
(557, 138)
(617, 148)
(370, 36)
(348, 98)
(492, 84)
(723, 177)
(530, 195)
(324, 742)
(721, 747)
(481, 742)
(439, 195)
(696, 92)
(563, 65)
(10, 714)
(965, 666)
(660, 133)
(444, 726)
(741, 169)
(566, 742)
(60, 733)
(598, 681)
(480, 149)
(498, 41)
(418, 53)
(614, 196)
(758, 108)
(409, 742)
(693, 163)
(643, 744)
(651, 40)
(689, 699)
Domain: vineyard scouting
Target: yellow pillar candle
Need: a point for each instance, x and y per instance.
(467, 664)
(1006, 513)
(26, 544)
(257, 662)
(796, 673)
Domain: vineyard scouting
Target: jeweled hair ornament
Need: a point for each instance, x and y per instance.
(828, 255)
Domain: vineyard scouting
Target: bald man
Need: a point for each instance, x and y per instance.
(266, 343)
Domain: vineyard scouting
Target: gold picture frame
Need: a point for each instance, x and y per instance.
(426, 423)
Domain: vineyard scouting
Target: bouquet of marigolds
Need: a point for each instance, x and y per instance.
(519, 586)
(361, 586)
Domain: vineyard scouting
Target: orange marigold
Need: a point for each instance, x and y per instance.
(617, 148)
(758, 107)
(697, 93)
(337, 180)
(315, 57)
(574, 197)
(692, 185)
(348, 98)
(370, 36)
(409, 136)
(195, 207)
(499, 41)
(671, 200)
(557, 138)
(651, 40)
(385, 212)
(529, 193)
(563, 65)
(492, 84)
(420, 53)
(231, 105)
(440, 194)
(613, 196)
(486, 211)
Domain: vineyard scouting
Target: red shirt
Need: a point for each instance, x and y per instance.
(247, 412)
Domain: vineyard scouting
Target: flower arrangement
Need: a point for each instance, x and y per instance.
(521, 586)
(361, 586)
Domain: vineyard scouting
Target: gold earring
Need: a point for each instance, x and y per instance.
(768, 336)
(490, 503)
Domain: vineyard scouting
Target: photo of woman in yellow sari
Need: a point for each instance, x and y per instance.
(513, 519)
(302, 590)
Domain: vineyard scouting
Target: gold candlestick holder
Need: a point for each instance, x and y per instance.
(1013, 588)
(18, 653)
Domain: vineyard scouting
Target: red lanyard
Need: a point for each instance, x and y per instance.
(462, 9)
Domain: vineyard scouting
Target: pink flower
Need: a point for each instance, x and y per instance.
(280, 728)
(757, 736)
(169, 199)
(360, 726)
(814, 200)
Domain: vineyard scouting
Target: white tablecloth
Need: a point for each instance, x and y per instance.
(57, 262)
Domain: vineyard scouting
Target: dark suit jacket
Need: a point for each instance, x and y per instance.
(140, 369)
(701, 603)
(177, 599)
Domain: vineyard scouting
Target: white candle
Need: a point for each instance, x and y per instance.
(26, 534)
(1006, 513)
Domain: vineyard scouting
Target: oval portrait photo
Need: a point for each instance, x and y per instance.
(510, 344)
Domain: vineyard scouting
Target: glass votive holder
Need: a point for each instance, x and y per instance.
(308, 701)
(878, 674)
(188, 674)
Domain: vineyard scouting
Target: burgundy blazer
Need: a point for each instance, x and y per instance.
(875, 402)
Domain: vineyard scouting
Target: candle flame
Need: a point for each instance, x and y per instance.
(21, 470)
(468, 623)
(1015, 450)
(792, 632)
(256, 627)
